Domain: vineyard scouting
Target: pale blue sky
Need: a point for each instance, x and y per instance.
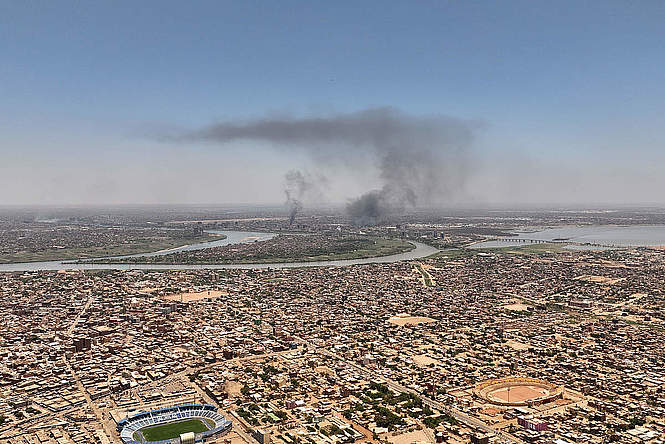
(571, 93)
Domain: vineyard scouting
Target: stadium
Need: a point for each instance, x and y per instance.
(518, 391)
(183, 424)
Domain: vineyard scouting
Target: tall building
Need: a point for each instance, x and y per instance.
(531, 423)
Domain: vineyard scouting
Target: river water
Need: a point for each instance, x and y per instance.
(605, 235)
(232, 237)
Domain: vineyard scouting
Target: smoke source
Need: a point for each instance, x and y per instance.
(295, 189)
(422, 160)
(298, 187)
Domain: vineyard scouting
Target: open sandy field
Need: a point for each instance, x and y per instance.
(518, 393)
(231, 436)
(405, 319)
(409, 438)
(233, 387)
(325, 370)
(424, 360)
(516, 307)
(195, 296)
(516, 345)
(148, 290)
(598, 279)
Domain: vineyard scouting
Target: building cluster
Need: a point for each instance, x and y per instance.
(342, 354)
(31, 241)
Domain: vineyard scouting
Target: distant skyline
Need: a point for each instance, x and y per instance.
(565, 99)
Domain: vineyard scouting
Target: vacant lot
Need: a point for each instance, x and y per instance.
(599, 279)
(410, 320)
(195, 296)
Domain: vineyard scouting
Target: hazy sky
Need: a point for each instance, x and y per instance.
(566, 99)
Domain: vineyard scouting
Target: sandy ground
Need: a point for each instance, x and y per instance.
(598, 279)
(412, 437)
(231, 437)
(519, 393)
(516, 307)
(516, 345)
(325, 370)
(424, 360)
(405, 319)
(193, 296)
(233, 387)
(490, 411)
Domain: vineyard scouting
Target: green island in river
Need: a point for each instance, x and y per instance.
(282, 248)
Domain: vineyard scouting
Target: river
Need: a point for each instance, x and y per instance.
(232, 237)
(595, 236)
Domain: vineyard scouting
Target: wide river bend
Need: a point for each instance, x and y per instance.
(232, 237)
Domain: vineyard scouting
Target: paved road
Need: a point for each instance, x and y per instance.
(108, 427)
(71, 328)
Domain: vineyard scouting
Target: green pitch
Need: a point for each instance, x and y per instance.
(173, 430)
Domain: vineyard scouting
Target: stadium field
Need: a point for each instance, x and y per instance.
(173, 429)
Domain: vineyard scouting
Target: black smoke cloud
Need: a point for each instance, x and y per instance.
(422, 160)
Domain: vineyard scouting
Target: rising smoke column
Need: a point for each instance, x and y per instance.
(422, 160)
(298, 187)
(294, 189)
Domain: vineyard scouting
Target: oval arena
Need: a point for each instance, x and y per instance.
(518, 391)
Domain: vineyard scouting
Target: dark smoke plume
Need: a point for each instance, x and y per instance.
(421, 160)
(295, 189)
(298, 187)
(369, 208)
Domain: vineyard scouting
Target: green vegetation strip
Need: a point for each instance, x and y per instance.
(425, 275)
(133, 247)
(173, 430)
(345, 249)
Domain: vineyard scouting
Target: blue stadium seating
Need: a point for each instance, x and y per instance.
(127, 427)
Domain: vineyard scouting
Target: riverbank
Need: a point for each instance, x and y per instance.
(582, 236)
(280, 249)
(139, 247)
(420, 251)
